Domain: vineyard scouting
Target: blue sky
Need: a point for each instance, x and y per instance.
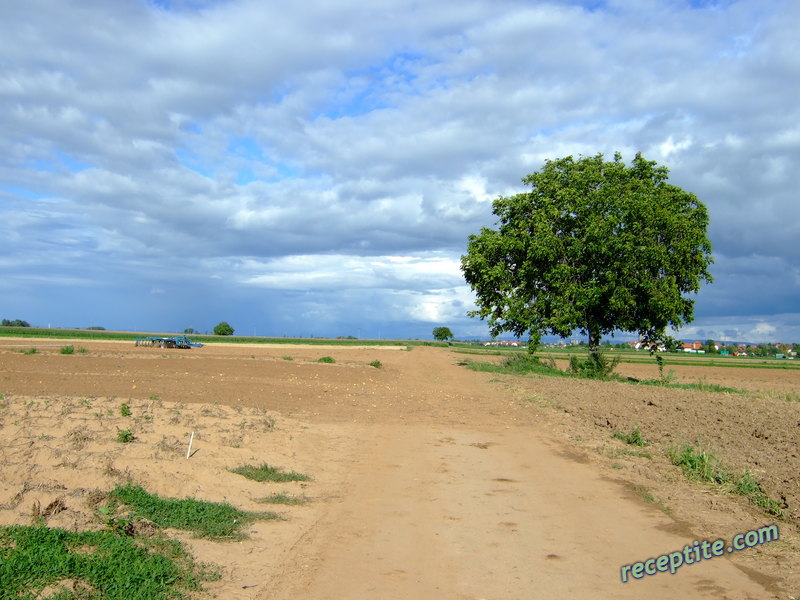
(316, 168)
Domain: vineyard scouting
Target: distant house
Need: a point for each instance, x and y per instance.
(693, 346)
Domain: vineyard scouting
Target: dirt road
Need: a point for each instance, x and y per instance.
(430, 480)
(453, 512)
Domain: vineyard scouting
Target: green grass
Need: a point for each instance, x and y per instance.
(283, 498)
(704, 466)
(634, 437)
(517, 364)
(99, 564)
(30, 351)
(376, 363)
(67, 350)
(125, 410)
(217, 520)
(326, 359)
(124, 436)
(264, 472)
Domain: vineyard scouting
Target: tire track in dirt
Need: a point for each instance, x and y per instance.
(436, 512)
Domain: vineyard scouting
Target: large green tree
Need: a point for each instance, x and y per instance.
(223, 328)
(442, 334)
(595, 246)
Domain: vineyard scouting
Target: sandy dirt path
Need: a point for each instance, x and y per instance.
(442, 512)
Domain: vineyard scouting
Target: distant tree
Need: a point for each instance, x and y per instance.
(14, 323)
(709, 346)
(96, 328)
(190, 330)
(442, 334)
(223, 329)
(595, 246)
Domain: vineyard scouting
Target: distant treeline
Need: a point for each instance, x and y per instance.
(14, 323)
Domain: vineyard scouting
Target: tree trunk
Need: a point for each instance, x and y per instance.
(594, 345)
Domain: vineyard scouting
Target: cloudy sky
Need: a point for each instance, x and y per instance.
(315, 168)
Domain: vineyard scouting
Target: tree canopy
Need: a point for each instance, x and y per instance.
(442, 334)
(596, 246)
(223, 329)
(14, 323)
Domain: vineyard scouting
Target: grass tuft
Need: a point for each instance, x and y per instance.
(264, 472)
(283, 498)
(218, 520)
(326, 359)
(124, 436)
(94, 564)
(67, 349)
(704, 466)
(376, 363)
(634, 437)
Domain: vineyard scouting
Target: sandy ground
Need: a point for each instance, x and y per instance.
(429, 480)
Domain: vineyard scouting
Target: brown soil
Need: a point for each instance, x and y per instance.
(429, 480)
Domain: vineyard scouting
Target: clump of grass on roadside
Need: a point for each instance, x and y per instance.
(376, 363)
(326, 359)
(95, 564)
(284, 498)
(218, 520)
(264, 472)
(704, 466)
(517, 364)
(634, 437)
(67, 349)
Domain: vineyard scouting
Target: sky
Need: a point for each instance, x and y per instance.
(315, 168)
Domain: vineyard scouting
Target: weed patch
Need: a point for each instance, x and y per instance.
(218, 520)
(67, 350)
(634, 437)
(376, 363)
(124, 436)
(283, 498)
(703, 466)
(264, 472)
(96, 564)
(326, 359)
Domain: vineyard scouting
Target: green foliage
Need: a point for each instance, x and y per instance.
(264, 472)
(190, 330)
(594, 246)
(442, 334)
(595, 366)
(326, 359)
(30, 351)
(376, 363)
(283, 498)
(518, 364)
(96, 328)
(704, 466)
(102, 565)
(67, 350)
(124, 436)
(223, 329)
(125, 410)
(14, 323)
(634, 437)
(206, 519)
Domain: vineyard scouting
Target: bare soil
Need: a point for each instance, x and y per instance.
(429, 480)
